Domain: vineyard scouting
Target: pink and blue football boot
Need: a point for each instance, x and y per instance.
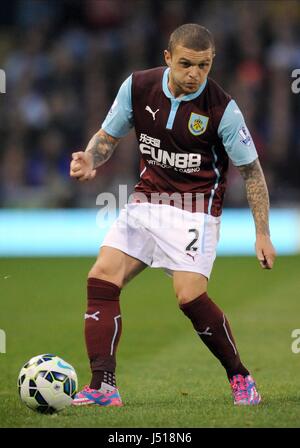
(90, 396)
(244, 390)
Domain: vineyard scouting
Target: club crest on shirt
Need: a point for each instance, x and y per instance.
(197, 124)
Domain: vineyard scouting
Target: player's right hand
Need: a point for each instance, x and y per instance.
(81, 166)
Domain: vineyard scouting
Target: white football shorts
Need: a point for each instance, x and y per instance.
(163, 236)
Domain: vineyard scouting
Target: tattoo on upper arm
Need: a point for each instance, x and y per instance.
(257, 195)
(101, 146)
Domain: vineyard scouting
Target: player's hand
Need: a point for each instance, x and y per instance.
(81, 166)
(265, 251)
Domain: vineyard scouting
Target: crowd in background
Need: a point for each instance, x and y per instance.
(65, 60)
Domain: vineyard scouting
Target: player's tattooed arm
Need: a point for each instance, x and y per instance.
(258, 198)
(101, 146)
(84, 163)
(257, 195)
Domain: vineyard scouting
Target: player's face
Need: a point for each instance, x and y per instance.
(188, 69)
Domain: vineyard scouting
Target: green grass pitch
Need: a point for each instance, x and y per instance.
(166, 376)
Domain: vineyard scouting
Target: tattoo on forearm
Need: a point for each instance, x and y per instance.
(101, 146)
(257, 195)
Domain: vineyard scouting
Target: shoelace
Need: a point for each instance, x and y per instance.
(89, 390)
(239, 387)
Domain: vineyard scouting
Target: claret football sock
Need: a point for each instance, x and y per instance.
(103, 326)
(103, 380)
(213, 328)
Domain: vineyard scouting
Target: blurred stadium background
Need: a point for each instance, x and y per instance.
(64, 61)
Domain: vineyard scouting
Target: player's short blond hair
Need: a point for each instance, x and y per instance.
(192, 36)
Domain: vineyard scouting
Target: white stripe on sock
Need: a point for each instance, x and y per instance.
(224, 326)
(115, 334)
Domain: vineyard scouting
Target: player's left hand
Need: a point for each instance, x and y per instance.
(265, 251)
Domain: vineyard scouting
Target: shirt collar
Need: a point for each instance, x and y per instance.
(188, 97)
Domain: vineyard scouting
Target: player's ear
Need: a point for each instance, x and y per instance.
(168, 57)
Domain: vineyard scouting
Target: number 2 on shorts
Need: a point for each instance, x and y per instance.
(191, 245)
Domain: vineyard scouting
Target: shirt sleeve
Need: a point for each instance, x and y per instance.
(119, 119)
(236, 137)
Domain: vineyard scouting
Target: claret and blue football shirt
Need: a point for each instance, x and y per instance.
(185, 143)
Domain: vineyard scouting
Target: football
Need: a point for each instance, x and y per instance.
(47, 384)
